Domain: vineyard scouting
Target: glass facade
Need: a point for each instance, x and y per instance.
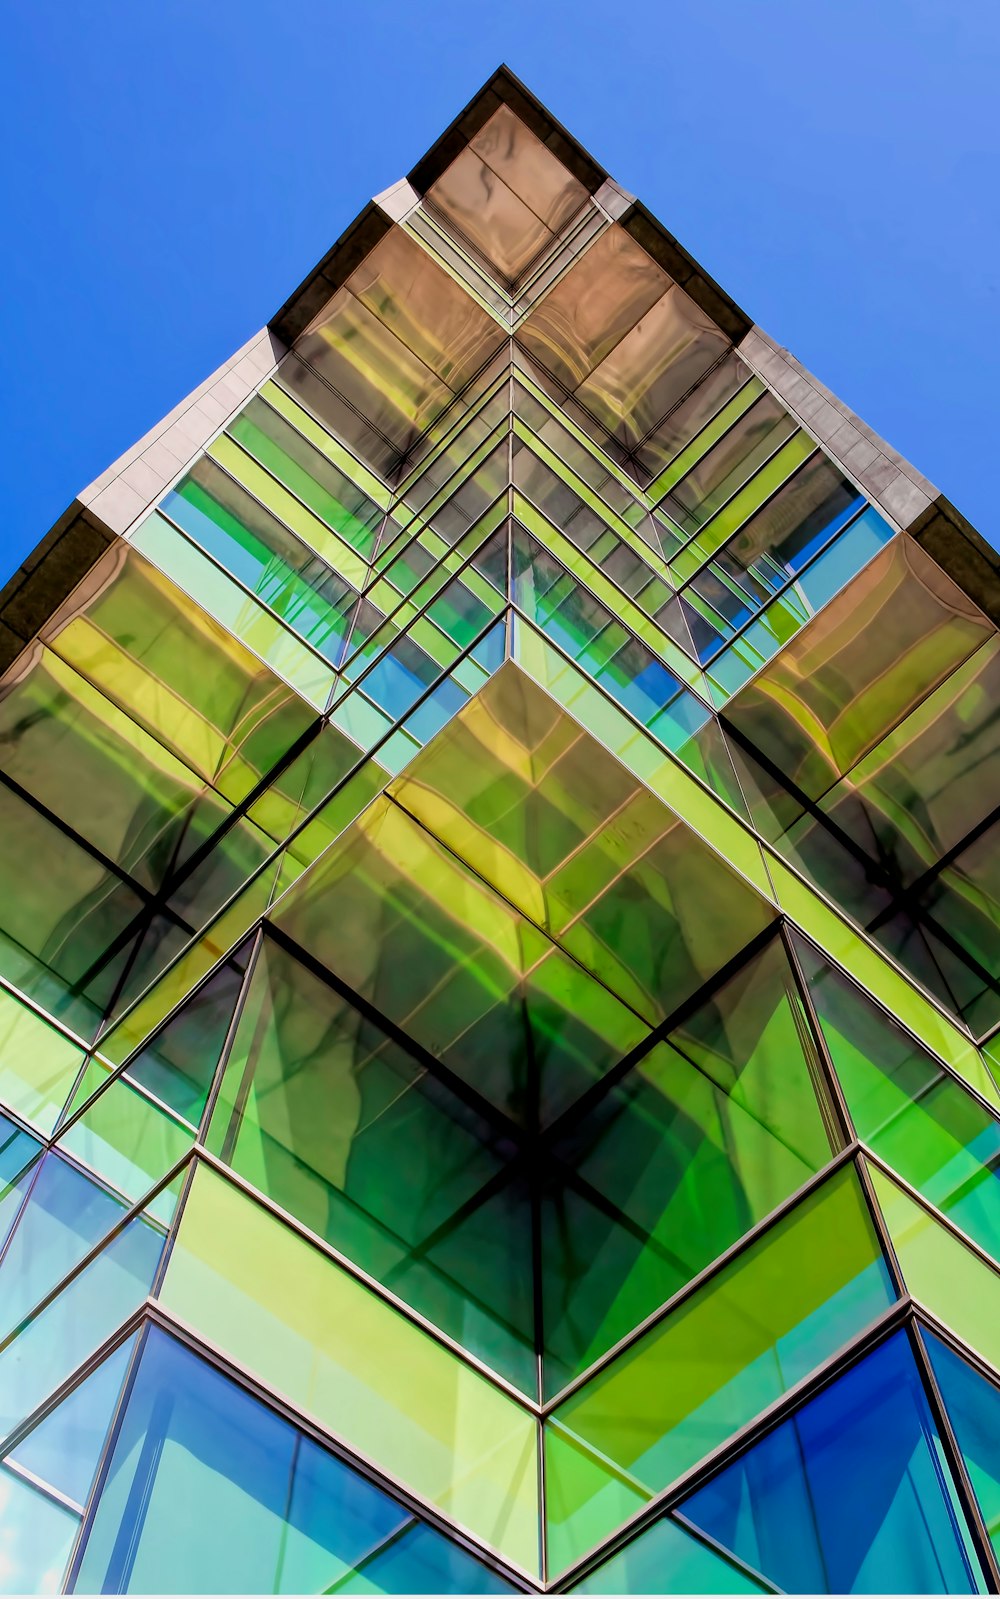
(499, 950)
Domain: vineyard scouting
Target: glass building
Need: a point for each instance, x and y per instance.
(499, 949)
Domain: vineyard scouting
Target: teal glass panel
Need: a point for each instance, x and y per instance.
(850, 1495)
(973, 1407)
(36, 1536)
(263, 1508)
(70, 1327)
(907, 1107)
(668, 1558)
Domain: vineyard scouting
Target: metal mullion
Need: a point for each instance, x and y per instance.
(829, 1081)
(39, 1485)
(224, 1362)
(670, 1498)
(878, 1221)
(927, 1205)
(75, 1560)
(752, 1236)
(949, 1073)
(764, 503)
(420, 611)
(955, 1459)
(932, 1323)
(215, 1087)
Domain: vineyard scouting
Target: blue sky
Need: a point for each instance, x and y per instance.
(179, 165)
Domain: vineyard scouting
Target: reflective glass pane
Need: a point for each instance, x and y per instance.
(850, 1495)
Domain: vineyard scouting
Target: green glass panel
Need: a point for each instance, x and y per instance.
(285, 1312)
(179, 1062)
(38, 1065)
(344, 1129)
(125, 1137)
(907, 1107)
(309, 474)
(543, 812)
(667, 1558)
(796, 1295)
(941, 1271)
(704, 1137)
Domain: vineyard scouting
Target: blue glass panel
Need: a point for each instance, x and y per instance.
(77, 1321)
(17, 1150)
(65, 1216)
(64, 1448)
(973, 1406)
(211, 1492)
(666, 1558)
(849, 1495)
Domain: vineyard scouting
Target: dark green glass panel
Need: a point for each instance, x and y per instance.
(805, 1288)
(668, 1558)
(973, 1407)
(344, 1129)
(850, 1495)
(178, 1064)
(907, 1107)
(208, 1491)
(700, 1141)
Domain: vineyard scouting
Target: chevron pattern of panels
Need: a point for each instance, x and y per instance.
(499, 935)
